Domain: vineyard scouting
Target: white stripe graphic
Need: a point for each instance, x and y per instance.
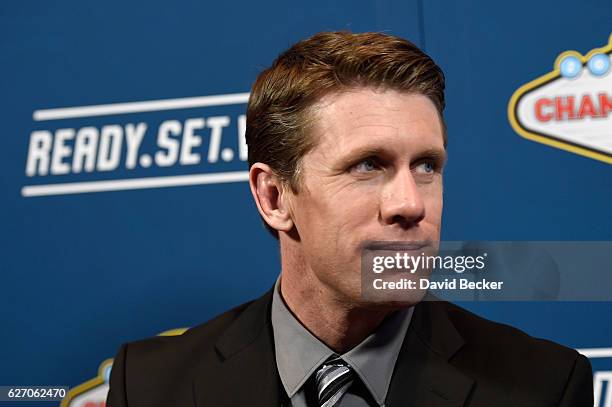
(596, 352)
(139, 107)
(136, 183)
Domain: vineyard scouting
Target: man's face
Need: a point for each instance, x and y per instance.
(375, 174)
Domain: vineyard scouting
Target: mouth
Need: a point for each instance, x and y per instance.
(399, 246)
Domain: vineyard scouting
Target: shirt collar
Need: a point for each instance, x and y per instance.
(299, 353)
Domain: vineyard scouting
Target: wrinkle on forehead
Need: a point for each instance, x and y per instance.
(339, 117)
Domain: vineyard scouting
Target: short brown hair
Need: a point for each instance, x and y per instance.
(279, 109)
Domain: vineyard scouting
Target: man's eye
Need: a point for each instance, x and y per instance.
(367, 165)
(426, 167)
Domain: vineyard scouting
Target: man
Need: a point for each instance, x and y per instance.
(347, 145)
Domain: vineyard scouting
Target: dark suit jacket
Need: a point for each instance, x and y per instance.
(449, 357)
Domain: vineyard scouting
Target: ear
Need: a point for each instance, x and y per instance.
(269, 194)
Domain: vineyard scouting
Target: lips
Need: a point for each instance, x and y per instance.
(398, 246)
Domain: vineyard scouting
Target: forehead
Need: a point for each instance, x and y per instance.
(399, 121)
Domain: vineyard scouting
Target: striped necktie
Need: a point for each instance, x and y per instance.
(333, 380)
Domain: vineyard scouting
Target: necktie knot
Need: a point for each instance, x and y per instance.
(333, 379)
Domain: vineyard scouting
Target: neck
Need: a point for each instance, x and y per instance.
(339, 323)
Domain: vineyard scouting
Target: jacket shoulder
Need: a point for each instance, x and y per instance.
(195, 339)
(159, 371)
(496, 337)
(530, 368)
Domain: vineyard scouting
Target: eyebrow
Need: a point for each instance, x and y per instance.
(370, 151)
(361, 152)
(436, 153)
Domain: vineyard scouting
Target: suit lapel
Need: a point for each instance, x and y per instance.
(423, 375)
(247, 374)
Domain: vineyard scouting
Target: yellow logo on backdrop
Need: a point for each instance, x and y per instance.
(571, 107)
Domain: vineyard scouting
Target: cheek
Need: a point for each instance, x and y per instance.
(433, 201)
(333, 225)
(357, 207)
(316, 219)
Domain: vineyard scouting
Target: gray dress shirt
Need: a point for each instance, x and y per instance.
(299, 354)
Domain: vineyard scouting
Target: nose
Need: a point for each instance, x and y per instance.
(401, 201)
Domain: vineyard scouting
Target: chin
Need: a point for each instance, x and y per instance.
(389, 304)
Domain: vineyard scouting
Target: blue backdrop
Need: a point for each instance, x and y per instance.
(84, 272)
